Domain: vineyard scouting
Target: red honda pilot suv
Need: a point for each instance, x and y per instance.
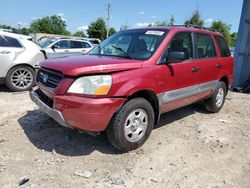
(126, 83)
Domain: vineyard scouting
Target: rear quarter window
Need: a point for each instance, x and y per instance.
(224, 49)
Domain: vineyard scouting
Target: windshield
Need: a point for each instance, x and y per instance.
(46, 42)
(137, 44)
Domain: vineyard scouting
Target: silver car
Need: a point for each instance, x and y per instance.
(56, 48)
(18, 59)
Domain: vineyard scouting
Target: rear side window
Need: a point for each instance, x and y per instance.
(182, 42)
(205, 47)
(76, 44)
(13, 42)
(3, 42)
(224, 50)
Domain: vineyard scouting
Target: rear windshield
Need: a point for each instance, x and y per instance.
(134, 44)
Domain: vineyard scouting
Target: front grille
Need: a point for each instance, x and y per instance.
(46, 100)
(49, 78)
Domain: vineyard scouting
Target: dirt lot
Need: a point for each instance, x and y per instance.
(189, 148)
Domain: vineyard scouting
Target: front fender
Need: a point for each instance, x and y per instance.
(134, 86)
(129, 82)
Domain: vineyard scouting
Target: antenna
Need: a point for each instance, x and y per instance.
(108, 8)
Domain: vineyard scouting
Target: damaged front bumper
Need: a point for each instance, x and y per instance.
(53, 113)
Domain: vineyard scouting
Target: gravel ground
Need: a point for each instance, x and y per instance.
(189, 148)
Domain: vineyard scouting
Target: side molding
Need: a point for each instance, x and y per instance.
(170, 96)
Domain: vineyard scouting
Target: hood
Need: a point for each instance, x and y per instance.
(89, 64)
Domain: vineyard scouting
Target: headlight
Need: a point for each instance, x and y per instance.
(92, 85)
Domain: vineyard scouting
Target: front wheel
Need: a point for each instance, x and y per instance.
(20, 78)
(216, 101)
(132, 125)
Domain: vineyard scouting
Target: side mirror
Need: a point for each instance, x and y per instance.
(174, 57)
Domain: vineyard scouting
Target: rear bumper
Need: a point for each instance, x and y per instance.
(86, 114)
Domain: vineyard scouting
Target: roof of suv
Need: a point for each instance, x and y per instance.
(183, 28)
(195, 29)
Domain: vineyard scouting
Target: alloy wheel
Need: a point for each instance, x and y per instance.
(21, 78)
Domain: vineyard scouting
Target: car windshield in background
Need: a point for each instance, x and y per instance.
(46, 42)
(133, 44)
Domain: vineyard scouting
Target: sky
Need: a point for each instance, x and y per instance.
(78, 14)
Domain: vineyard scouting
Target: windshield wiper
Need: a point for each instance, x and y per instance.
(120, 49)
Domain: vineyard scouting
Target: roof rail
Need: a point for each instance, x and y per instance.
(196, 26)
(65, 37)
(201, 27)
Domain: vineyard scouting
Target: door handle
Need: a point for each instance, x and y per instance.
(218, 65)
(195, 69)
(66, 50)
(4, 52)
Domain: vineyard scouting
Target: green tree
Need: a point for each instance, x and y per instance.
(97, 29)
(24, 30)
(49, 24)
(5, 27)
(172, 20)
(233, 39)
(112, 31)
(162, 23)
(80, 34)
(195, 19)
(124, 27)
(222, 28)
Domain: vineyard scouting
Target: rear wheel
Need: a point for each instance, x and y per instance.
(132, 125)
(20, 78)
(216, 101)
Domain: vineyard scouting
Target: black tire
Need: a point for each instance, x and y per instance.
(11, 84)
(211, 104)
(116, 129)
